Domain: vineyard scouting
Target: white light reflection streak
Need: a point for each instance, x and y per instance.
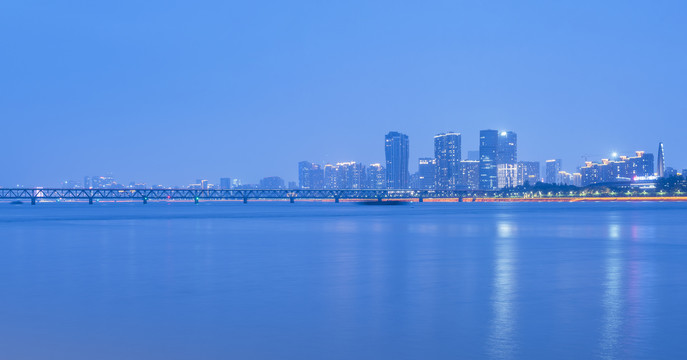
(501, 344)
(613, 297)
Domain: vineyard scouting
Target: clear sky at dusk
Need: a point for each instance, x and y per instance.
(168, 92)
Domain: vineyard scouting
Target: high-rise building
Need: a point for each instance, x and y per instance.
(225, 183)
(376, 176)
(661, 162)
(350, 175)
(397, 148)
(426, 173)
(469, 175)
(528, 172)
(447, 153)
(488, 156)
(310, 175)
(553, 167)
(331, 177)
(507, 148)
(507, 175)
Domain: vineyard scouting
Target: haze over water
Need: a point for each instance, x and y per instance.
(272, 280)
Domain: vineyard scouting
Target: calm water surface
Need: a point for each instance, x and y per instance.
(343, 281)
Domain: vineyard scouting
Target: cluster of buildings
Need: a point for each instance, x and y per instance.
(495, 166)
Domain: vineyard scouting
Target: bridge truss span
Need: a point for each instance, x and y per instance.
(144, 195)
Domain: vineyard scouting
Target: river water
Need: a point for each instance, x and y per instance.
(273, 280)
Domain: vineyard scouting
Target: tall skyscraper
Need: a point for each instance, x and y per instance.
(448, 155)
(488, 156)
(553, 167)
(396, 148)
(661, 171)
(507, 148)
(427, 173)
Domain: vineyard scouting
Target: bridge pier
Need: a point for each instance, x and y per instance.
(90, 201)
(196, 200)
(291, 199)
(379, 199)
(245, 200)
(336, 199)
(419, 199)
(33, 201)
(460, 199)
(145, 200)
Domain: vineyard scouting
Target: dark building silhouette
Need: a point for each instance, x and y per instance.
(447, 153)
(396, 146)
(272, 182)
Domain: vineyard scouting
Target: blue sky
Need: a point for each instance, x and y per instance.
(168, 92)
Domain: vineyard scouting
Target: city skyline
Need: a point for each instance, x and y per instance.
(498, 167)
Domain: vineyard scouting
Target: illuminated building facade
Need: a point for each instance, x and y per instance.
(553, 167)
(661, 166)
(469, 174)
(623, 169)
(447, 152)
(488, 151)
(310, 175)
(507, 175)
(529, 172)
(427, 171)
(507, 148)
(396, 149)
(376, 176)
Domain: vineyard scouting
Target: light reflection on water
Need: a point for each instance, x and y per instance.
(501, 344)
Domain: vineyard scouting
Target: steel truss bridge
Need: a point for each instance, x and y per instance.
(37, 194)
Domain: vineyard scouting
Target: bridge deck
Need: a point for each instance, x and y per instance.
(144, 195)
